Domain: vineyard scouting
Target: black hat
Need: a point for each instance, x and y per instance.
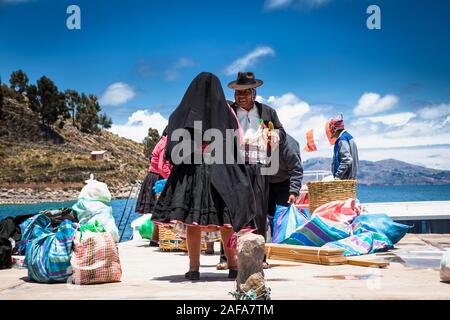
(245, 80)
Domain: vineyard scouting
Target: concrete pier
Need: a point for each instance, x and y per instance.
(151, 274)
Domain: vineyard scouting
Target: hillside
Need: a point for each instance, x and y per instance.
(388, 172)
(34, 157)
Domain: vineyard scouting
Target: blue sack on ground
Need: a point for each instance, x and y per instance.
(285, 221)
(48, 251)
(382, 223)
(159, 185)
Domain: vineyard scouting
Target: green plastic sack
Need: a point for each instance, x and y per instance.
(146, 229)
(97, 226)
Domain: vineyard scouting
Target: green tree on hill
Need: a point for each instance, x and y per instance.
(72, 100)
(105, 122)
(150, 142)
(33, 99)
(63, 110)
(50, 102)
(19, 82)
(87, 113)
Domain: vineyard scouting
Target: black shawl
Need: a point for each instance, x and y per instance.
(205, 101)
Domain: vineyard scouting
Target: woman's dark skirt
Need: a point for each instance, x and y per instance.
(190, 198)
(147, 198)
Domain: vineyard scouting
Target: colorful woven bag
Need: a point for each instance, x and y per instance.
(95, 259)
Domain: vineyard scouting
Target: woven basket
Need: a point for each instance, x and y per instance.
(169, 241)
(322, 192)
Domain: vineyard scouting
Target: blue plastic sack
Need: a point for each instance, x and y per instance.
(48, 250)
(286, 220)
(159, 185)
(382, 223)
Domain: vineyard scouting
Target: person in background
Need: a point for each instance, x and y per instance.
(285, 185)
(345, 162)
(158, 169)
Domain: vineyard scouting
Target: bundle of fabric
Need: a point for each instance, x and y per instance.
(94, 204)
(48, 251)
(340, 211)
(382, 223)
(339, 225)
(362, 241)
(95, 257)
(317, 232)
(59, 215)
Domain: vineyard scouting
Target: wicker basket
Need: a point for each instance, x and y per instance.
(322, 192)
(169, 241)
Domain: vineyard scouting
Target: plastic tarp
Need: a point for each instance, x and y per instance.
(93, 204)
(340, 211)
(382, 223)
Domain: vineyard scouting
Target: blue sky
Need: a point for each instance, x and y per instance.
(316, 57)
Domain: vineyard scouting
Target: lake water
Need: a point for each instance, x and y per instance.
(365, 194)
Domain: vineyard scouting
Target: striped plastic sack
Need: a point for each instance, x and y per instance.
(317, 232)
(95, 259)
(362, 242)
(48, 251)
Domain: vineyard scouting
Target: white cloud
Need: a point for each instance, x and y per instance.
(446, 121)
(393, 120)
(371, 103)
(276, 4)
(116, 94)
(138, 124)
(435, 111)
(279, 4)
(402, 136)
(297, 117)
(249, 60)
(174, 71)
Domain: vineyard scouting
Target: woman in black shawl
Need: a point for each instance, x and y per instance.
(200, 196)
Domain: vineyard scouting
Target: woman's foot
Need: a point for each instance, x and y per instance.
(192, 275)
(265, 265)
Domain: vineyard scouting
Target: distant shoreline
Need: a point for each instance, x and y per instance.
(19, 196)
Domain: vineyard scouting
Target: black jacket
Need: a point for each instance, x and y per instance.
(290, 165)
